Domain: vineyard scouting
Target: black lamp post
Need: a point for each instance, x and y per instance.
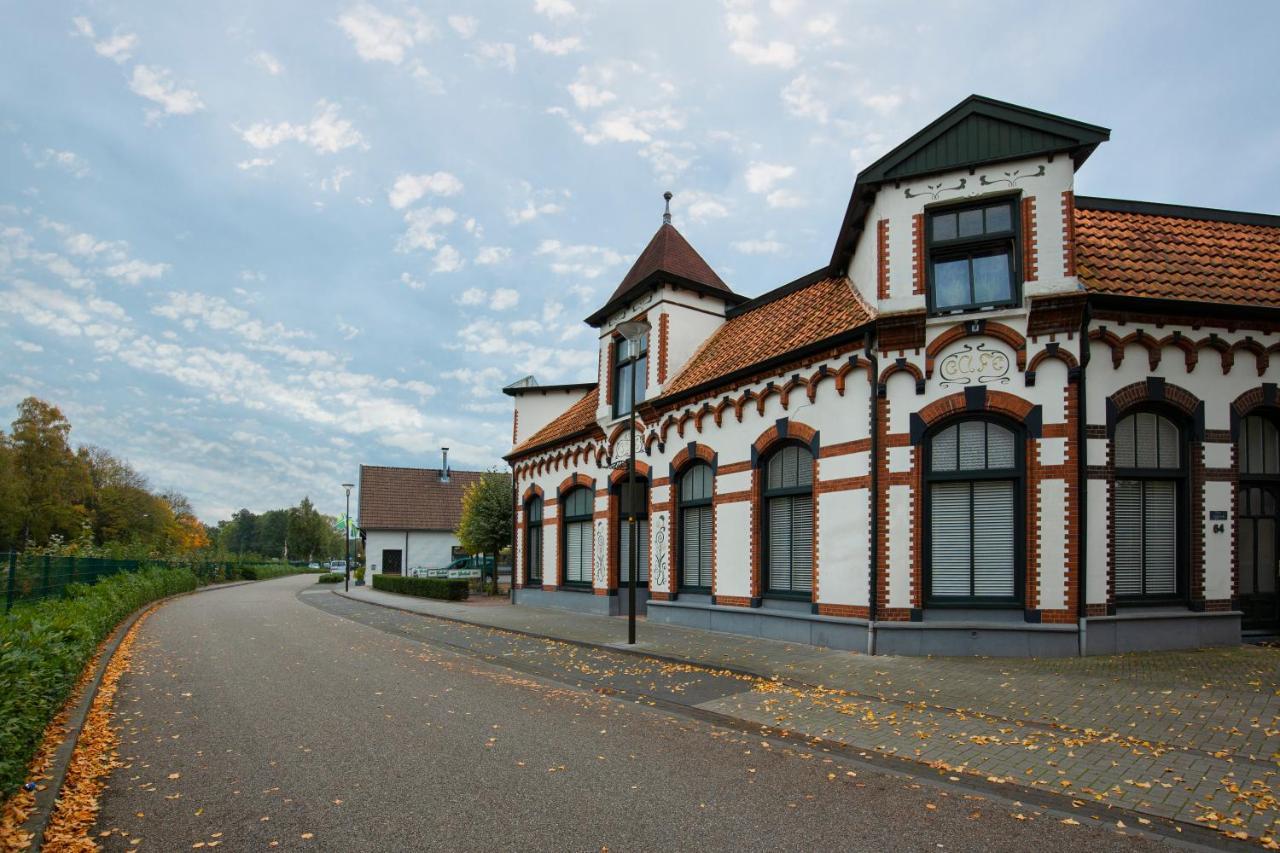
(633, 331)
(346, 540)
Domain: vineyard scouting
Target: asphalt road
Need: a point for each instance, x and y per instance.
(280, 716)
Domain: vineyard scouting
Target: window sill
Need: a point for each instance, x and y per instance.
(1001, 312)
(574, 586)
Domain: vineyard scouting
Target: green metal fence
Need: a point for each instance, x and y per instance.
(29, 577)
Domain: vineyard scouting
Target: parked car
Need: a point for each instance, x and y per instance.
(313, 565)
(337, 565)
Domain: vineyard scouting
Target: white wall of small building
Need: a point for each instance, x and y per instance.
(426, 549)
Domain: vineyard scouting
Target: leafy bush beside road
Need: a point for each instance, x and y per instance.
(449, 590)
(330, 577)
(45, 645)
(268, 572)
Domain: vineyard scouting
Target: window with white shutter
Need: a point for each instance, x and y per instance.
(639, 501)
(788, 522)
(533, 541)
(1146, 519)
(974, 487)
(576, 508)
(695, 514)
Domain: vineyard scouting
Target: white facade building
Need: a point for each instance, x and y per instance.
(408, 517)
(1001, 419)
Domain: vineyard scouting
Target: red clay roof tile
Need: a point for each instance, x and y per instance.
(411, 498)
(1169, 257)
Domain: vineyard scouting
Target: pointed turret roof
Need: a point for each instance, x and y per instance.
(667, 259)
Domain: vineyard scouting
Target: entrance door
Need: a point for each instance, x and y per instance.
(391, 562)
(1257, 554)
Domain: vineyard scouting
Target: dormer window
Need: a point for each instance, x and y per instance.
(631, 360)
(973, 257)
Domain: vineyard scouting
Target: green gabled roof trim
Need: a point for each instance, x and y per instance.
(976, 131)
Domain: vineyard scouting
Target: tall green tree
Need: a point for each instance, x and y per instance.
(12, 498)
(307, 531)
(54, 478)
(488, 516)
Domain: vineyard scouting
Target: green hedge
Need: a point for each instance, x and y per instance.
(449, 590)
(268, 572)
(45, 645)
(330, 577)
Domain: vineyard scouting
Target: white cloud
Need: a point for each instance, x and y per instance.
(326, 133)
(464, 25)
(347, 331)
(882, 102)
(554, 8)
(334, 182)
(589, 95)
(268, 63)
(255, 163)
(422, 228)
(537, 203)
(700, 206)
(761, 177)
(555, 47)
(135, 271)
(583, 260)
(742, 27)
(472, 296)
(501, 54)
(784, 198)
(411, 282)
(409, 188)
(380, 37)
(156, 85)
(118, 47)
(447, 259)
(504, 298)
(801, 99)
(766, 246)
(27, 346)
(490, 255)
(474, 228)
(68, 161)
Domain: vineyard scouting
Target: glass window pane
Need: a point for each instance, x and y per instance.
(804, 467)
(1124, 449)
(1245, 556)
(944, 450)
(1145, 440)
(642, 377)
(1266, 558)
(973, 445)
(622, 391)
(951, 283)
(999, 218)
(1000, 447)
(1170, 454)
(970, 222)
(991, 278)
(944, 226)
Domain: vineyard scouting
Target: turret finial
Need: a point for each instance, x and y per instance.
(666, 215)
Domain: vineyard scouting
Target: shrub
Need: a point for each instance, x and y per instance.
(449, 590)
(330, 577)
(45, 645)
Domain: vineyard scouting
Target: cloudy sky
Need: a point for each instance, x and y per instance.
(250, 245)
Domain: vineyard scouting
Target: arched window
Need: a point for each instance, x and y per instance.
(695, 528)
(1258, 523)
(788, 522)
(974, 484)
(533, 541)
(1146, 517)
(640, 501)
(577, 540)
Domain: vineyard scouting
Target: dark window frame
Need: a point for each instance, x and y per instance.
(1181, 507)
(564, 522)
(681, 505)
(619, 364)
(961, 247)
(530, 526)
(1017, 474)
(762, 513)
(1246, 481)
(643, 486)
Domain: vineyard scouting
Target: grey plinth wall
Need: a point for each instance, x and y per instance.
(774, 623)
(1144, 631)
(582, 602)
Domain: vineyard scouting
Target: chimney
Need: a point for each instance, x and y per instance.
(444, 465)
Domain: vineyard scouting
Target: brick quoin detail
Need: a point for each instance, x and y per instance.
(608, 377)
(917, 254)
(663, 323)
(515, 427)
(1029, 251)
(1068, 233)
(882, 259)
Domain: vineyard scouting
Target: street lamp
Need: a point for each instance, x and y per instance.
(346, 540)
(633, 331)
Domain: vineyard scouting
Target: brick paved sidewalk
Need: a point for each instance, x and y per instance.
(1189, 736)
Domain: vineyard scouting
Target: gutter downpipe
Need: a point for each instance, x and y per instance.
(1082, 474)
(514, 512)
(873, 416)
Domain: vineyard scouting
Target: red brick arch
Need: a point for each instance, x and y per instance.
(981, 328)
(999, 402)
(573, 481)
(619, 474)
(684, 457)
(1141, 392)
(533, 491)
(1062, 355)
